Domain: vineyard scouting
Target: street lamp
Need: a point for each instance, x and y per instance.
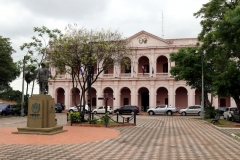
(202, 102)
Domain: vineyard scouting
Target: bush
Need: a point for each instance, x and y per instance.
(210, 112)
(74, 117)
(94, 121)
(105, 119)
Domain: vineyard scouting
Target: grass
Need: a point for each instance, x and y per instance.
(221, 121)
(238, 134)
(100, 122)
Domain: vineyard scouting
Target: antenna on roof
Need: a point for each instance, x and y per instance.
(162, 26)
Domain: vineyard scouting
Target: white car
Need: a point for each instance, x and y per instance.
(196, 109)
(74, 108)
(228, 113)
(102, 110)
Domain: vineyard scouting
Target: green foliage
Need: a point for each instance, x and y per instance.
(9, 70)
(210, 112)
(75, 117)
(220, 38)
(87, 50)
(105, 119)
(189, 68)
(94, 121)
(39, 47)
(8, 93)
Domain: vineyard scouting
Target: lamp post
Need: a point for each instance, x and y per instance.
(202, 102)
(202, 105)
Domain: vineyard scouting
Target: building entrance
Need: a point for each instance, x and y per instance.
(145, 101)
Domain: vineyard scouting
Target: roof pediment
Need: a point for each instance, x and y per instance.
(145, 39)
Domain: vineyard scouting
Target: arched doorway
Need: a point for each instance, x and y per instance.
(77, 93)
(162, 64)
(108, 92)
(60, 95)
(181, 99)
(94, 99)
(143, 66)
(125, 96)
(143, 99)
(162, 96)
(198, 97)
(224, 101)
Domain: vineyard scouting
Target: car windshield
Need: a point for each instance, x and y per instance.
(233, 109)
(4, 105)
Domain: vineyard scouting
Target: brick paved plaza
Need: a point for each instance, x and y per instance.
(154, 137)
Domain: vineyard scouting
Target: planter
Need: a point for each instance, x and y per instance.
(102, 125)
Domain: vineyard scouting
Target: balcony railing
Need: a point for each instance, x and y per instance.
(125, 75)
(107, 75)
(143, 75)
(165, 75)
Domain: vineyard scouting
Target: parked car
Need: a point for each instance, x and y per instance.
(196, 109)
(235, 116)
(63, 106)
(58, 108)
(228, 113)
(74, 108)
(102, 110)
(5, 109)
(221, 110)
(162, 109)
(127, 109)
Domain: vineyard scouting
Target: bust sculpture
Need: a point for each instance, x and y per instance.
(42, 78)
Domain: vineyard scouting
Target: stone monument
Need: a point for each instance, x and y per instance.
(41, 110)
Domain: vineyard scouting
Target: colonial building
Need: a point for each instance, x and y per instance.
(146, 84)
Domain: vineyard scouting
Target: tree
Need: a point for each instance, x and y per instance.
(86, 54)
(9, 94)
(189, 68)
(220, 38)
(9, 70)
(37, 48)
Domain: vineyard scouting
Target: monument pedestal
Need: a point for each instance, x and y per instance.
(41, 116)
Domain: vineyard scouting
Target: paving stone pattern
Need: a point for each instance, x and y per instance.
(154, 137)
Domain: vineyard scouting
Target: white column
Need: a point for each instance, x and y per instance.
(66, 95)
(133, 94)
(116, 95)
(171, 94)
(153, 64)
(152, 96)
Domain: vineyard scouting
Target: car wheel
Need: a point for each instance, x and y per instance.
(117, 112)
(108, 112)
(184, 114)
(95, 112)
(169, 113)
(132, 112)
(3, 114)
(232, 119)
(151, 113)
(60, 111)
(71, 111)
(199, 113)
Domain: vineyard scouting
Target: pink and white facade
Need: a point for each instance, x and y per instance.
(146, 84)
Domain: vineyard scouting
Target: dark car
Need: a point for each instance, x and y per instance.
(221, 110)
(235, 116)
(5, 109)
(127, 109)
(63, 106)
(58, 107)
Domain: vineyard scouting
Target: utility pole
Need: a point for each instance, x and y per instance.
(22, 106)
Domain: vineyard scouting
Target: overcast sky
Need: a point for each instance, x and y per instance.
(171, 18)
